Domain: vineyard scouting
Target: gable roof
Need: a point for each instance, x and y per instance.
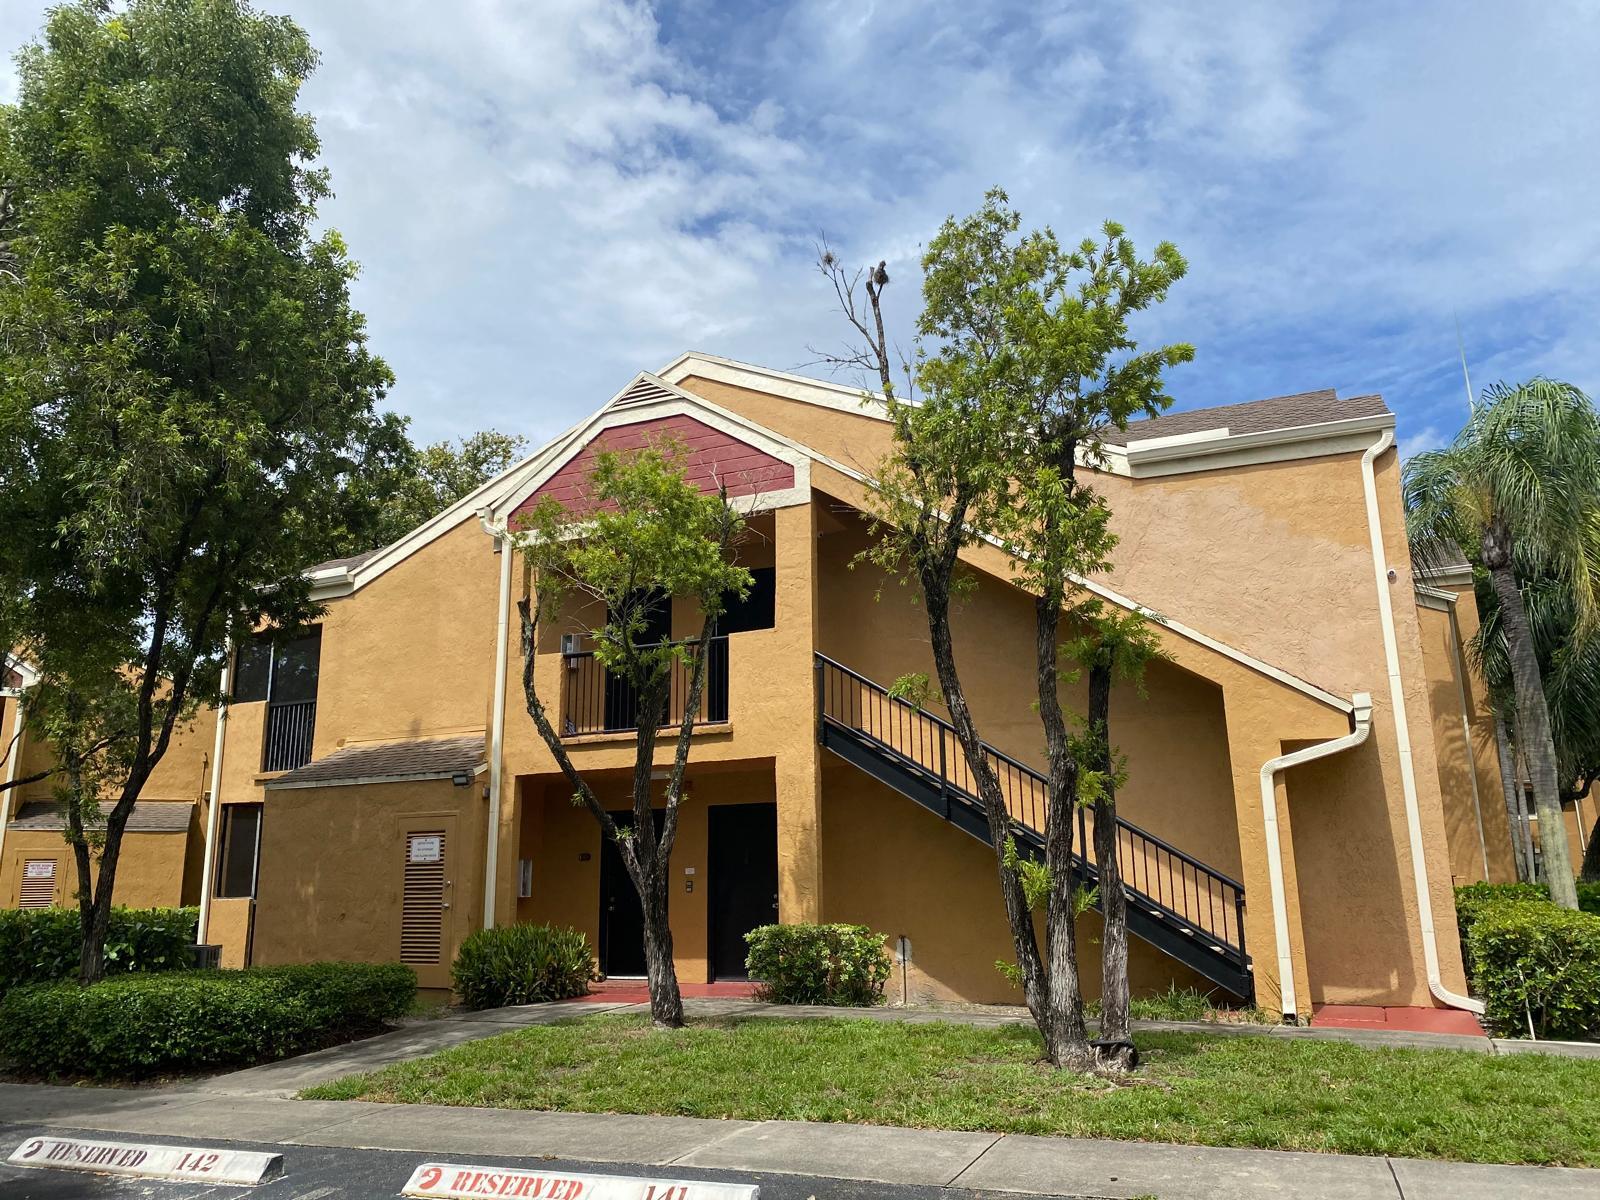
(389, 762)
(147, 816)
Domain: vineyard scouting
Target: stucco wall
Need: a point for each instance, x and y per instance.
(331, 869)
(895, 866)
(1468, 806)
(412, 653)
(150, 870)
(555, 834)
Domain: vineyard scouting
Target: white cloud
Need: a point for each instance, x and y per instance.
(549, 197)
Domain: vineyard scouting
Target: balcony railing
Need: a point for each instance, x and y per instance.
(288, 740)
(595, 701)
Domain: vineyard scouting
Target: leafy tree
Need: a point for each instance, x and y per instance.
(184, 386)
(641, 537)
(423, 481)
(1522, 481)
(1023, 362)
(1569, 666)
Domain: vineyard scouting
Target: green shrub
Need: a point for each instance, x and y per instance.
(1535, 963)
(134, 1026)
(38, 945)
(819, 964)
(522, 964)
(1589, 897)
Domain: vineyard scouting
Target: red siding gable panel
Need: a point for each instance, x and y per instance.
(713, 456)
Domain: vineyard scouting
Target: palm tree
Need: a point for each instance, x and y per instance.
(1569, 664)
(1522, 482)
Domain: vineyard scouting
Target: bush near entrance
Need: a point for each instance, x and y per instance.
(136, 1026)
(1537, 968)
(522, 964)
(818, 964)
(39, 945)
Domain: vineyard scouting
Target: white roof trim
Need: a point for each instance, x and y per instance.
(1435, 598)
(841, 397)
(1201, 450)
(624, 410)
(28, 673)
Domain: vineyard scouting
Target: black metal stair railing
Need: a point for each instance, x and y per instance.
(1168, 889)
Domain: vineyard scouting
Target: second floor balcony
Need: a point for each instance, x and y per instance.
(594, 701)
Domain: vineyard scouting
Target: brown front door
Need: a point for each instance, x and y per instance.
(428, 921)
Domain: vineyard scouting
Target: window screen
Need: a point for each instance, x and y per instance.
(252, 668)
(294, 668)
(755, 611)
(241, 847)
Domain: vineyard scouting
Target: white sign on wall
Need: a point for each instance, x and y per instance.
(426, 849)
(457, 1182)
(40, 868)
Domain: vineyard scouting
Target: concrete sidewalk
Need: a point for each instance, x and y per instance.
(974, 1161)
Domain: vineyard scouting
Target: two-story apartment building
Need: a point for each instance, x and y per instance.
(1311, 766)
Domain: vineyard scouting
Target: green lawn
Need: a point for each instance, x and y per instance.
(1206, 1089)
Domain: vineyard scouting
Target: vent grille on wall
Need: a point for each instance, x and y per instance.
(643, 392)
(422, 906)
(38, 883)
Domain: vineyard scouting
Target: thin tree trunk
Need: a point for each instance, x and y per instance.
(1024, 943)
(1114, 997)
(1066, 1034)
(666, 1002)
(1533, 722)
(1521, 850)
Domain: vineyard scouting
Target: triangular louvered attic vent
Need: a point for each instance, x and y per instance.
(643, 391)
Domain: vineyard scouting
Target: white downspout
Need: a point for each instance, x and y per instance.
(1269, 819)
(1402, 733)
(13, 760)
(497, 724)
(208, 872)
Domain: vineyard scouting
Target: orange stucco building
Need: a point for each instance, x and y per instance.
(1311, 764)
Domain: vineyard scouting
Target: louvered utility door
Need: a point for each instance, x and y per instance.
(36, 887)
(428, 938)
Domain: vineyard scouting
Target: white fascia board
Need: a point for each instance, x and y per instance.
(840, 397)
(1433, 597)
(1253, 449)
(1455, 579)
(26, 672)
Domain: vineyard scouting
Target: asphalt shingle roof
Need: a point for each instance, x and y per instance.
(427, 757)
(148, 816)
(1255, 416)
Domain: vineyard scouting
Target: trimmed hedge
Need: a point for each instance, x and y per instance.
(819, 964)
(134, 1026)
(522, 964)
(38, 945)
(1534, 963)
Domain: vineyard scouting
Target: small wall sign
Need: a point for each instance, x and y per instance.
(425, 850)
(40, 868)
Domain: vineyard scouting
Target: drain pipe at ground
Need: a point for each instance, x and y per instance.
(1362, 703)
(1402, 734)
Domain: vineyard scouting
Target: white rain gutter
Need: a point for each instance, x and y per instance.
(1269, 819)
(208, 872)
(497, 724)
(13, 760)
(1402, 733)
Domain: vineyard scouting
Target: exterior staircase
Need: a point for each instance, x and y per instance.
(1176, 903)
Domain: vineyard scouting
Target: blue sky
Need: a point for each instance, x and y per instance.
(547, 197)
